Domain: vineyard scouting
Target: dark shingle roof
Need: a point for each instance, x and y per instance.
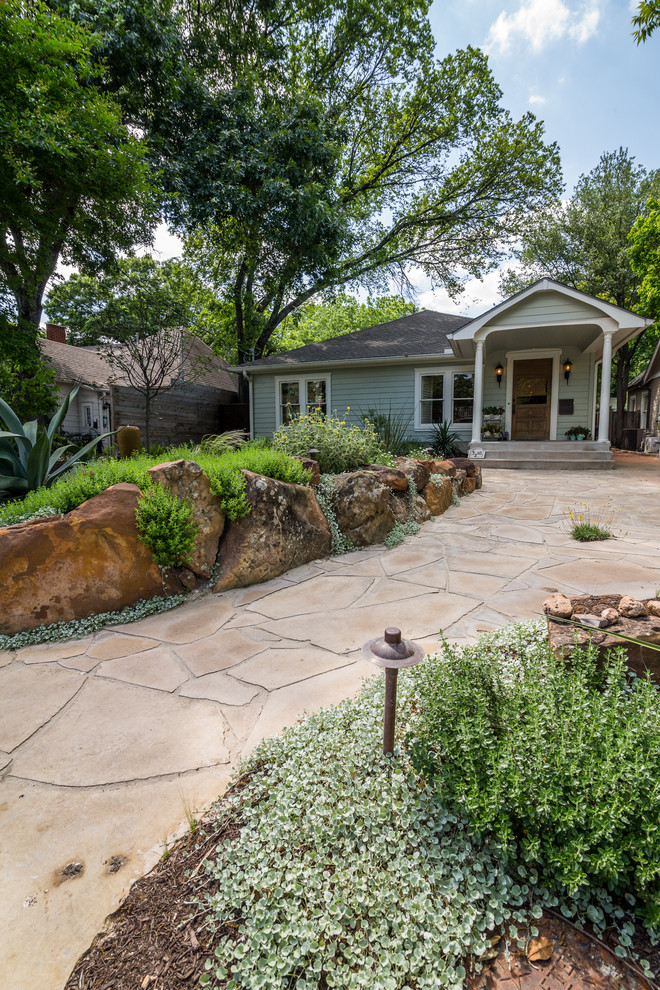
(415, 334)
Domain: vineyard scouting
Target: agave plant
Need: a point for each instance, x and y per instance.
(27, 458)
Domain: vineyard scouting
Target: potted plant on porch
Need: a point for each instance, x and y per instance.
(578, 433)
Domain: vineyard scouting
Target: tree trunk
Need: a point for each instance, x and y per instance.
(147, 421)
(624, 358)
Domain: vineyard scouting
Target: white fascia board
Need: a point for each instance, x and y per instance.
(308, 366)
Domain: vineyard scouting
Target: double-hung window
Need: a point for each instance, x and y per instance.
(443, 395)
(298, 396)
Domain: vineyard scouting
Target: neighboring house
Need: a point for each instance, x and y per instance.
(644, 396)
(536, 355)
(186, 412)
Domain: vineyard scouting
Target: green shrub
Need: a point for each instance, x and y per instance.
(445, 441)
(392, 428)
(88, 480)
(559, 759)
(165, 525)
(341, 447)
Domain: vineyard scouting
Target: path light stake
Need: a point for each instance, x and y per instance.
(392, 653)
(313, 453)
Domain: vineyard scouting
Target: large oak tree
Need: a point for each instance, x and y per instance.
(328, 147)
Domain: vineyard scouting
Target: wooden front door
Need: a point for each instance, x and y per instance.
(532, 387)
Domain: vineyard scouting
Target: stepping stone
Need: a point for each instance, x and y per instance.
(29, 697)
(224, 649)
(155, 668)
(109, 647)
(275, 668)
(219, 687)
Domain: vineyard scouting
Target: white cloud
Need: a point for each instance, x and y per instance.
(479, 296)
(535, 99)
(538, 23)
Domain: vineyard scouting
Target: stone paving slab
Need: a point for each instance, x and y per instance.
(105, 741)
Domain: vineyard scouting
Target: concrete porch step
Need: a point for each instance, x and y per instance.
(545, 455)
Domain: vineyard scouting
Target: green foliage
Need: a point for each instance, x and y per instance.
(335, 316)
(220, 443)
(331, 148)
(345, 872)
(589, 532)
(59, 632)
(91, 479)
(582, 432)
(27, 381)
(341, 447)
(166, 526)
(392, 428)
(644, 255)
(73, 179)
(646, 20)
(399, 532)
(445, 442)
(326, 495)
(28, 454)
(558, 758)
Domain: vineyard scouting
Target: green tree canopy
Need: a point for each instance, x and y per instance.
(170, 290)
(584, 244)
(331, 149)
(645, 258)
(336, 316)
(646, 20)
(73, 179)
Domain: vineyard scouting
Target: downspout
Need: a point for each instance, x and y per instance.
(249, 381)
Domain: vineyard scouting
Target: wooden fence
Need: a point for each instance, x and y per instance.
(185, 414)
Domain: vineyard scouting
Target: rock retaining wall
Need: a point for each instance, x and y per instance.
(91, 560)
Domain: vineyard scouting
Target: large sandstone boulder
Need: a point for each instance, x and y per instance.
(363, 507)
(72, 566)
(395, 480)
(187, 480)
(420, 510)
(446, 468)
(437, 494)
(419, 471)
(286, 528)
(465, 464)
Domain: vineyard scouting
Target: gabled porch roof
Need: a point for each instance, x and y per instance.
(561, 314)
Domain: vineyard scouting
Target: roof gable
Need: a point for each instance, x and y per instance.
(547, 301)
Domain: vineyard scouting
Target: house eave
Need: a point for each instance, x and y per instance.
(302, 366)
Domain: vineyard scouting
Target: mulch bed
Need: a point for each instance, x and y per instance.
(160, 940)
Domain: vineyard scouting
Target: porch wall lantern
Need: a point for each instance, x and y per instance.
(568, 367)
(499, 371)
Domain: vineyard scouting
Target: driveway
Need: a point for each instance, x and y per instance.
(108, 743)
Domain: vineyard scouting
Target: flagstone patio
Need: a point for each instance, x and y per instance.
(107, 743)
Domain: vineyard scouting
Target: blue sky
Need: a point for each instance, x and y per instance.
(575, 65)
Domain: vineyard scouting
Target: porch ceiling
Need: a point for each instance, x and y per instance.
(581, 336)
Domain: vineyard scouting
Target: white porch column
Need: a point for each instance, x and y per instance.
(605, 384)
(478, 392)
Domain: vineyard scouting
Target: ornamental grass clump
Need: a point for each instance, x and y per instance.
(588, 524)
(341, 447)
(559, 759)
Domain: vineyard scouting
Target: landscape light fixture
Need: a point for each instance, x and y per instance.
(568, 367)
(499, 371)
(391, 652)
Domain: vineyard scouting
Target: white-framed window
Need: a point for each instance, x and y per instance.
(462, 397)
(296, 396)
(443, 394)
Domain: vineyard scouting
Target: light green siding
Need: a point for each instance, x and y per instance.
(381, 388)
(544, 307)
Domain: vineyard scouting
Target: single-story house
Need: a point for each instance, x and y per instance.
(535, 356)
(644, 398)
(189, 409)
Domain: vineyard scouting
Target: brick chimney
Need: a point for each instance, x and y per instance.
(55, 332)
